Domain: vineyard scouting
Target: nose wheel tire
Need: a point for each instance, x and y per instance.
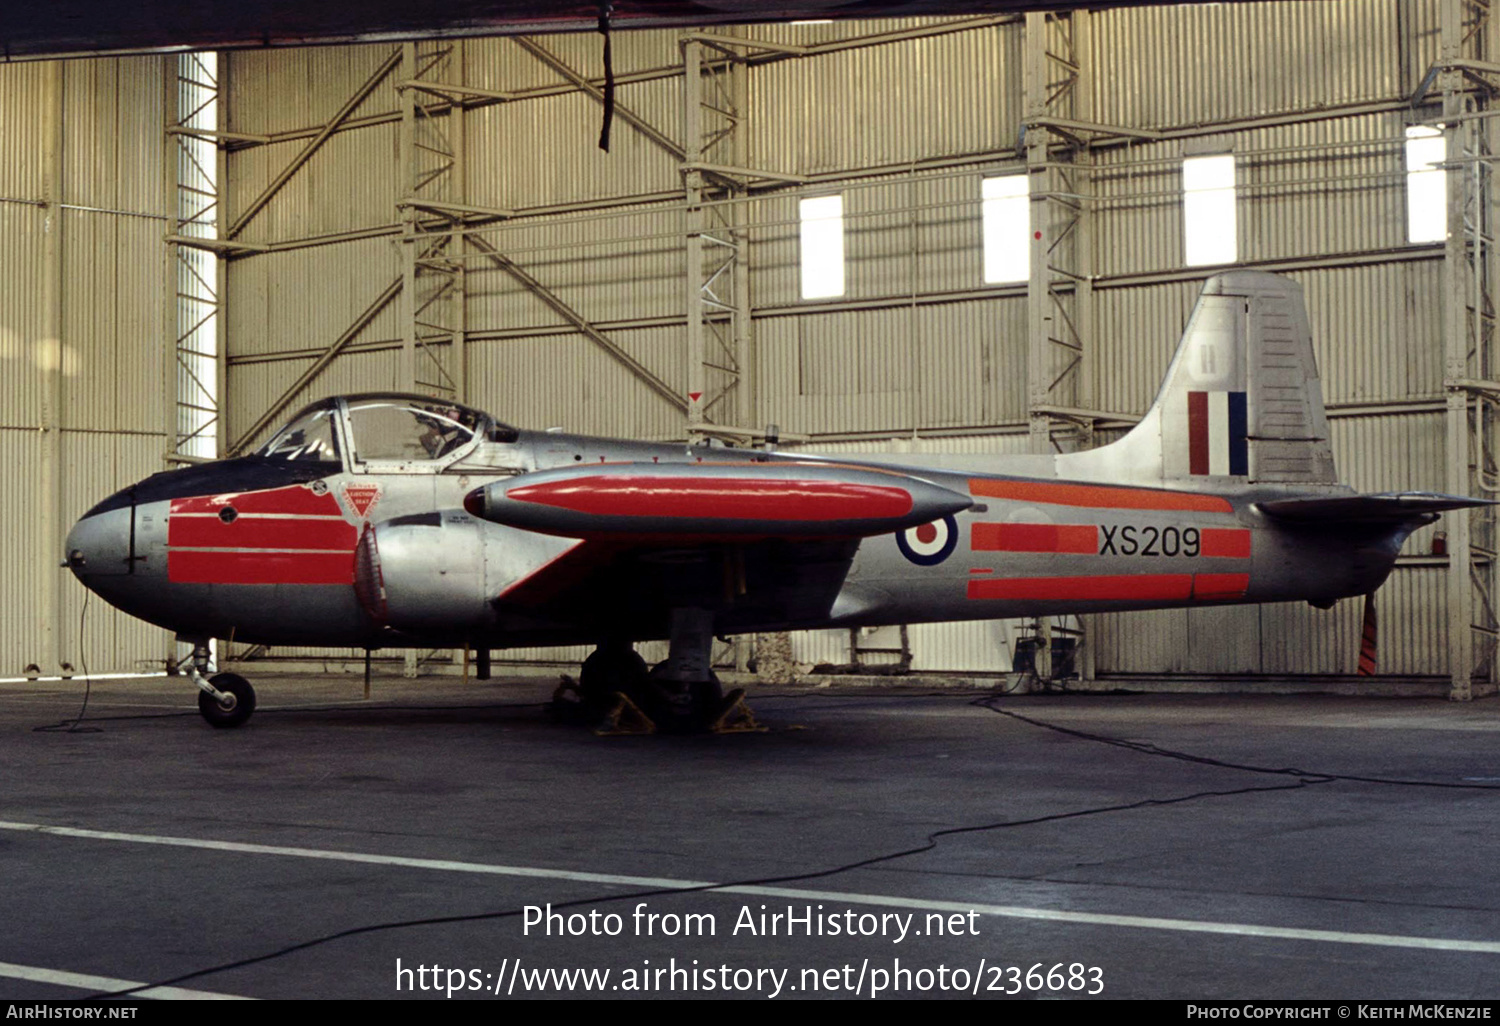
(239, 703)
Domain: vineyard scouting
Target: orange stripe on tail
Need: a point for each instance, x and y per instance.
(1097, 496)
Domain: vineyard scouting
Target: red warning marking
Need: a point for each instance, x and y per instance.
(292, 499)
(1120, 588)
(1226, 543)
(261, 567)
(723, 498)
(695, 396)
(1082, 538)
(361, 497)
(252, 532)
(1220, 586)
(1097, 496)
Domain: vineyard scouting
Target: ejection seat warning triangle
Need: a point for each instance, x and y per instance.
(360, 497)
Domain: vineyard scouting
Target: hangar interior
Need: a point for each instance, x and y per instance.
(1018, 211)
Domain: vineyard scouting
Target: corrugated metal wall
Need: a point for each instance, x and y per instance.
(1327, 189)
(83, 289)
(1309, 96)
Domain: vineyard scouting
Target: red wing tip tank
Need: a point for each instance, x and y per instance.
(387, 520)
(739, 500)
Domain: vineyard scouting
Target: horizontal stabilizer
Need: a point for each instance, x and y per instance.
(1385, 507)
(714, 500)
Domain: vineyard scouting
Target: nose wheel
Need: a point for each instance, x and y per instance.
(233, 704)
(225, 699)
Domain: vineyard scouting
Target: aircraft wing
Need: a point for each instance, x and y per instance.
(1387, 507)
(762, 542)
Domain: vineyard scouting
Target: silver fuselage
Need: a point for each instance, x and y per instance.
(1034, 542)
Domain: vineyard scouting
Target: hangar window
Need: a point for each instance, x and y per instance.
(822, 247)
(1208, 215)
(1007, 228)
(1426, 192)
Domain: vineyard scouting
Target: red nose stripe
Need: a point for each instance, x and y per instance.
(260, 567)
(251, 532)
(1082, 538)
(292, 499)
(1097, 496)
(251, 547)
(718, 498)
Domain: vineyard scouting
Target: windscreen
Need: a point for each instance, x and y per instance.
(310, 437)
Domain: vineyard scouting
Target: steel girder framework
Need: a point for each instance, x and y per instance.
(193, 170)
(1469, 81)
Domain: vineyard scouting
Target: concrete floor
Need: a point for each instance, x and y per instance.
(1248, 865)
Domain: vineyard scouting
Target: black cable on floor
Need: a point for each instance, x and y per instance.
(72, 726)
(1146, 748)
(1304, 778)
(931, 843)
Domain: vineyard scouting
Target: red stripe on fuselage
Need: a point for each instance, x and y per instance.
(1227, 543)
(261, 567)
(1097, 496)
(1080, 538)
(718, 498)
(1120, 588)
(1220, 586)
(253, 532)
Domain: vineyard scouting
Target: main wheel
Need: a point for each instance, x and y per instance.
(683, 707)
(606, 671)
(240, 704)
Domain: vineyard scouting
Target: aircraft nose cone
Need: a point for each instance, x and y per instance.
(99, 544)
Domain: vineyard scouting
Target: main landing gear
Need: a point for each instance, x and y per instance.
(225, 699)
(682, 694)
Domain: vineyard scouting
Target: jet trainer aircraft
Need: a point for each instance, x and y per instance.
(389, 520)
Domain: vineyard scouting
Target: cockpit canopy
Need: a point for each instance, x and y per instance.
(385, 428)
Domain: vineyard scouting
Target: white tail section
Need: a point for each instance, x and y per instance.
(1241, 403)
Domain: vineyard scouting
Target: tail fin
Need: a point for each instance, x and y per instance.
(1241, 402)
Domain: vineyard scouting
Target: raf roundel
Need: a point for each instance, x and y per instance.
(929, 544)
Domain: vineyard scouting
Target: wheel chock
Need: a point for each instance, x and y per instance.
(566, 684)
(625, 717)
(736, 716)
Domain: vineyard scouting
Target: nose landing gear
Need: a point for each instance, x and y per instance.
(225, 699)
